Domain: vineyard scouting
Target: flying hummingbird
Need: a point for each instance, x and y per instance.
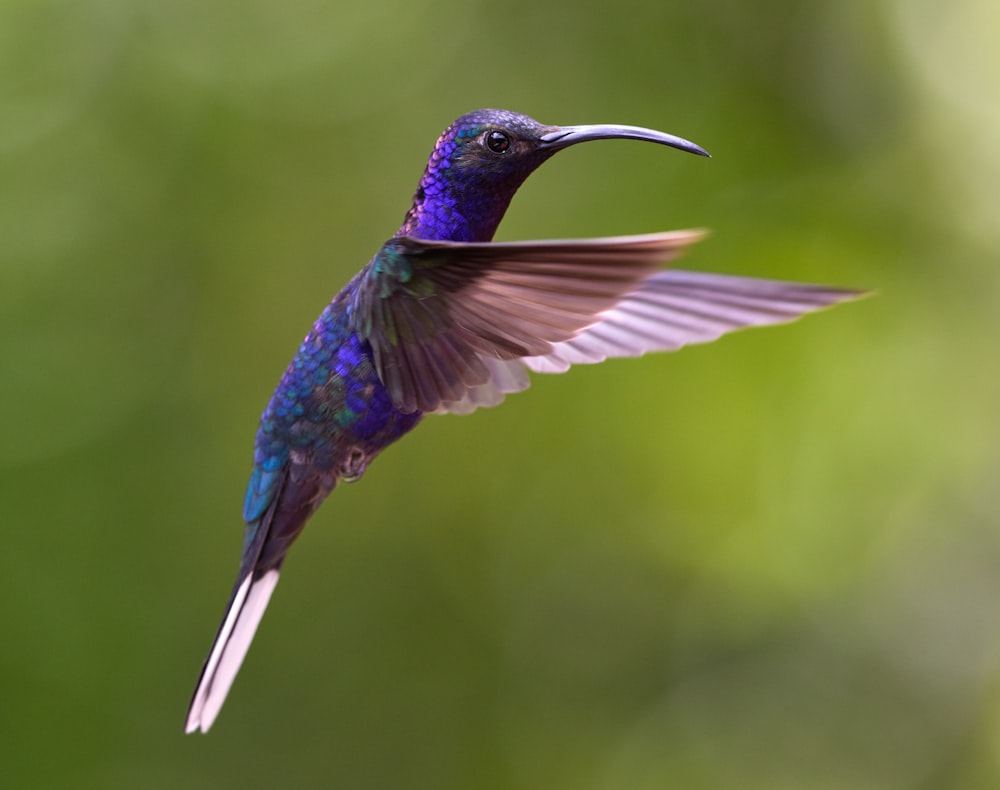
(442, 319)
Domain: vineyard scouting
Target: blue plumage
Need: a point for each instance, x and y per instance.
(328, 416)
(442, 320)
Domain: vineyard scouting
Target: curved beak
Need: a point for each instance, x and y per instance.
(563, 136)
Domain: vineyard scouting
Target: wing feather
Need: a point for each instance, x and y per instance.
(673, 309)
(440, 315)
(455, 326)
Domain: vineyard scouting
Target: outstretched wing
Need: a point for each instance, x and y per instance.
(673, 309)
(443, 317)
(457, 326)
(668, 310)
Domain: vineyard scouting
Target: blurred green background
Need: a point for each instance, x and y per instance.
(771, 562)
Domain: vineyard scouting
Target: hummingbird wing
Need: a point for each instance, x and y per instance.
(453, 326)
(672, 309)
(667, 311)
(442, 317)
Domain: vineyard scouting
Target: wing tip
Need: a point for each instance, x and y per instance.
(831, 296)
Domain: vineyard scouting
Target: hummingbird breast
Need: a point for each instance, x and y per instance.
(331, 412)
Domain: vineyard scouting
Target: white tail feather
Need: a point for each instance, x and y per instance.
(230, 648)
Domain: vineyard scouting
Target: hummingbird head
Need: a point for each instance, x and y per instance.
(482, 158)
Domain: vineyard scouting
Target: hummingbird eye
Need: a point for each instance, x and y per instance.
(498, 142)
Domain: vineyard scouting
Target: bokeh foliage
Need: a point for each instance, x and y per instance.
(772, 562)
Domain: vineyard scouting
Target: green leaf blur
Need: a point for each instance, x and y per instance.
(770, 562)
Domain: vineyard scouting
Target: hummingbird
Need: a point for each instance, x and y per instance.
(444, 320)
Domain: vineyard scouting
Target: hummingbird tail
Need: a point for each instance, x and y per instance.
(250, 599)
(292, 496)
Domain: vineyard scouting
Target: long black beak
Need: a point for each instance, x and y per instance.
(563, 136)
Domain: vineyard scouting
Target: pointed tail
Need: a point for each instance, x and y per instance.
(278, 518)
(246, 607)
